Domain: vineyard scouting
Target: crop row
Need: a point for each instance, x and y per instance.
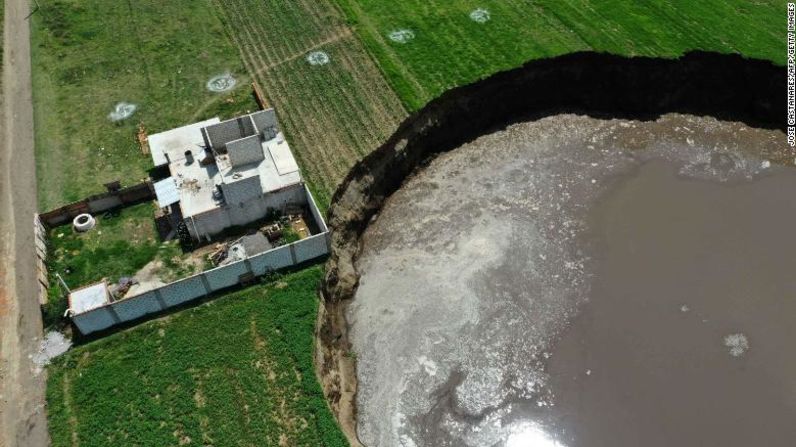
(332, 112)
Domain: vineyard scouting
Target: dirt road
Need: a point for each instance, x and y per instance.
(22, 412)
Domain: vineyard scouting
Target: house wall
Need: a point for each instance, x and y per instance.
(316, 213)
(222, 133)
(219, 219)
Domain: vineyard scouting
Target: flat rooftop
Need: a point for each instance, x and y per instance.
(90, 297)
(197, 182)
(173, 143)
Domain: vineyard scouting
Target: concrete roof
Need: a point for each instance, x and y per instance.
(175, 142)
(283, 158)
(196, 183)
(89, 297)
(270, 160)
(270, 176)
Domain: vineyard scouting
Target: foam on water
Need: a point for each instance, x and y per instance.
(477, 264)
(737, 344)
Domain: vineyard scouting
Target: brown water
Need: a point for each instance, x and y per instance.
(682, 264)
(576, 282)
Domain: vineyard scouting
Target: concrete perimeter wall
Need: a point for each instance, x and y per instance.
(201, 285)
(98, 203)
(210, 281)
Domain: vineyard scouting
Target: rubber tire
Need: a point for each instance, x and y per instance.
(84, 226)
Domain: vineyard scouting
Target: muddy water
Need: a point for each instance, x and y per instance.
(684, 269)
(579, 282)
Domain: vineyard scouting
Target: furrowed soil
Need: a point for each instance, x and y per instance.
(332, 113)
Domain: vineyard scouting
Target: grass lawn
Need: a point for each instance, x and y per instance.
(449, 48)
(88, 55)
(121, 244)
(237, 371)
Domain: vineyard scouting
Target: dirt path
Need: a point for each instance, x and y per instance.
(22, 410)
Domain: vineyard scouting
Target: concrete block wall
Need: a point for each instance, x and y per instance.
(225, 276)
(205, 283)
(144, 304)
(271, 260)
(222, 133)
(104, 203)
(215, 221)
(197, 286)
(245, 150)
(316, 213)
(264, 119)
(239, 192)
(95, 320)
(184, 290)
(98, 203)
(310, 248)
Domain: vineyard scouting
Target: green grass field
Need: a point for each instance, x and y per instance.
(450, 49)
(333, 114)
(234, 372)
(89, 55)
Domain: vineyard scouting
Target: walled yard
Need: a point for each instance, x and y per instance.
(167, 382)
(121, 244)
(126, 250)
(90, 55)
(426, 47)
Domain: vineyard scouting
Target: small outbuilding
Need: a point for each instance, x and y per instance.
(89, 297)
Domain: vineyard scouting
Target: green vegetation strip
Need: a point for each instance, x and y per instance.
(89, 55)
(449, 48)
(236, 371)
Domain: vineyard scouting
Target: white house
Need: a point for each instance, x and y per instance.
(226, 173)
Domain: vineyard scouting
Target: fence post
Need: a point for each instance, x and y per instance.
(293, 252)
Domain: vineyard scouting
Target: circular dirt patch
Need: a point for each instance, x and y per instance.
(122, 111)
(221, 83)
